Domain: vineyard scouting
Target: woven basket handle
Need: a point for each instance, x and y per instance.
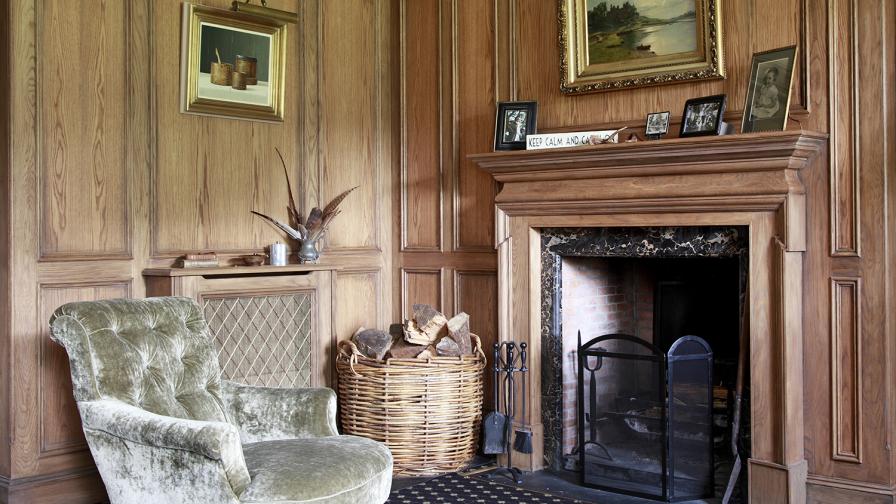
(478, 345)
(350, 352)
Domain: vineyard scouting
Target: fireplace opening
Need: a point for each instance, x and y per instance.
(654, 286)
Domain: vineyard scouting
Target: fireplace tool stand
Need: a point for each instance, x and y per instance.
(507, 364)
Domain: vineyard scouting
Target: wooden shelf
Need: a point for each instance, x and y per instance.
(290, 269)
(676, 156)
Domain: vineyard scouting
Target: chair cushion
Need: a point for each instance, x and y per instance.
(332, 470)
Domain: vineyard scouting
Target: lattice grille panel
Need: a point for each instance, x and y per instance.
(263, 340)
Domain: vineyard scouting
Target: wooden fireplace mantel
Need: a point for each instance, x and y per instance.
(751, 180)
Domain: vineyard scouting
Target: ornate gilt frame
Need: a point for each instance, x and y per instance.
(577, 76)
(193, 17)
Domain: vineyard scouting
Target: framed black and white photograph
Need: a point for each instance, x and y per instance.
(768, 94)
(514, 121)
(657, 125)
(702, 116)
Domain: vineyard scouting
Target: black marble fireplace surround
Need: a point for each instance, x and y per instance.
(625, 242)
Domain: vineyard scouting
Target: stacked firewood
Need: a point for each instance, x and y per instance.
(428, 334)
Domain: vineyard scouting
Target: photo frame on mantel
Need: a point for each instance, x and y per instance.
(232, 64)
(768, 93)
(513, 121)
(607, 45)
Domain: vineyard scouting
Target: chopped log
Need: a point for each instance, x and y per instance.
(447, 347)
(373, 343)
(427, 354)
(401, 349)
(418, 334)
(459, 330)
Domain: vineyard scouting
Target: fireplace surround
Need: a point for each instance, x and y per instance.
(750, 180)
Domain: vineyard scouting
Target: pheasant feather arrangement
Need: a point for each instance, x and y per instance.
(306, 231)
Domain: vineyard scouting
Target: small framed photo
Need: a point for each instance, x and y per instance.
(768, 94)
(702, 116)
(514, 121)
(657, 125)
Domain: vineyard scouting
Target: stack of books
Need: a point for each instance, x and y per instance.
(199, 260)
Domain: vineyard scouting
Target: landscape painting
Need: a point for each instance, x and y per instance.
(631, 29)
(616, 44)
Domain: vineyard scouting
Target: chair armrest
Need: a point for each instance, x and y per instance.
(267, 414)
(217, 441)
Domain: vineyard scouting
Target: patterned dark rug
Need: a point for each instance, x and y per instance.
(454, 488)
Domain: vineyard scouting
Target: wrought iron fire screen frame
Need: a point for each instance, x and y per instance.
(665, 366)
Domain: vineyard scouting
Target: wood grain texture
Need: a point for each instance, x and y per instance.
(82, 71)
(474, 32)
(846, 368)
(208, 173)
(72, 486)
(476, 293)
(748, 27)
(422, 134)
(5, 236)
(868, 138)
(60, 424)
(845, 63)
(449, 85)
(356, 302)
(422, 286)
(110, 179)
(349, 137)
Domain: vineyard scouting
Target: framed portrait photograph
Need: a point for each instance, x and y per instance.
(702, 116)
(513, 122)
(232, 64)
(768, 92)
(617, 44)
(657, 125)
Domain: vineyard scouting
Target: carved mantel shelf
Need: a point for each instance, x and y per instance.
(678, 156)
(750, 180)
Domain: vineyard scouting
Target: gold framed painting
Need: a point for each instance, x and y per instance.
(232, 64)
(618, 44)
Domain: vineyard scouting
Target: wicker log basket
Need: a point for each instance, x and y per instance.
(428, 412)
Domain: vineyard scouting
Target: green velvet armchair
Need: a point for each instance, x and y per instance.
(164, 428)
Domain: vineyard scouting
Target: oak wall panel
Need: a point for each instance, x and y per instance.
(82, 76)
(421, 286)
(844, 61)
(349, 137)
(421, 169)
(475, 73)
(209, 172)
(846, 366)
(60, 425)
(476, 293)
(5, 230)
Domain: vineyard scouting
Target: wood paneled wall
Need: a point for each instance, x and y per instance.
(105, 177)
(460, 57)
(446, 233)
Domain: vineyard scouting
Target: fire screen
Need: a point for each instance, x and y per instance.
(645, 417)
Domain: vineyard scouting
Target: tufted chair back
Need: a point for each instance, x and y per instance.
(153, 353)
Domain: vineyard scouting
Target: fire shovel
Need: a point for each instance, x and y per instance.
(523, 440)
(494, 427)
